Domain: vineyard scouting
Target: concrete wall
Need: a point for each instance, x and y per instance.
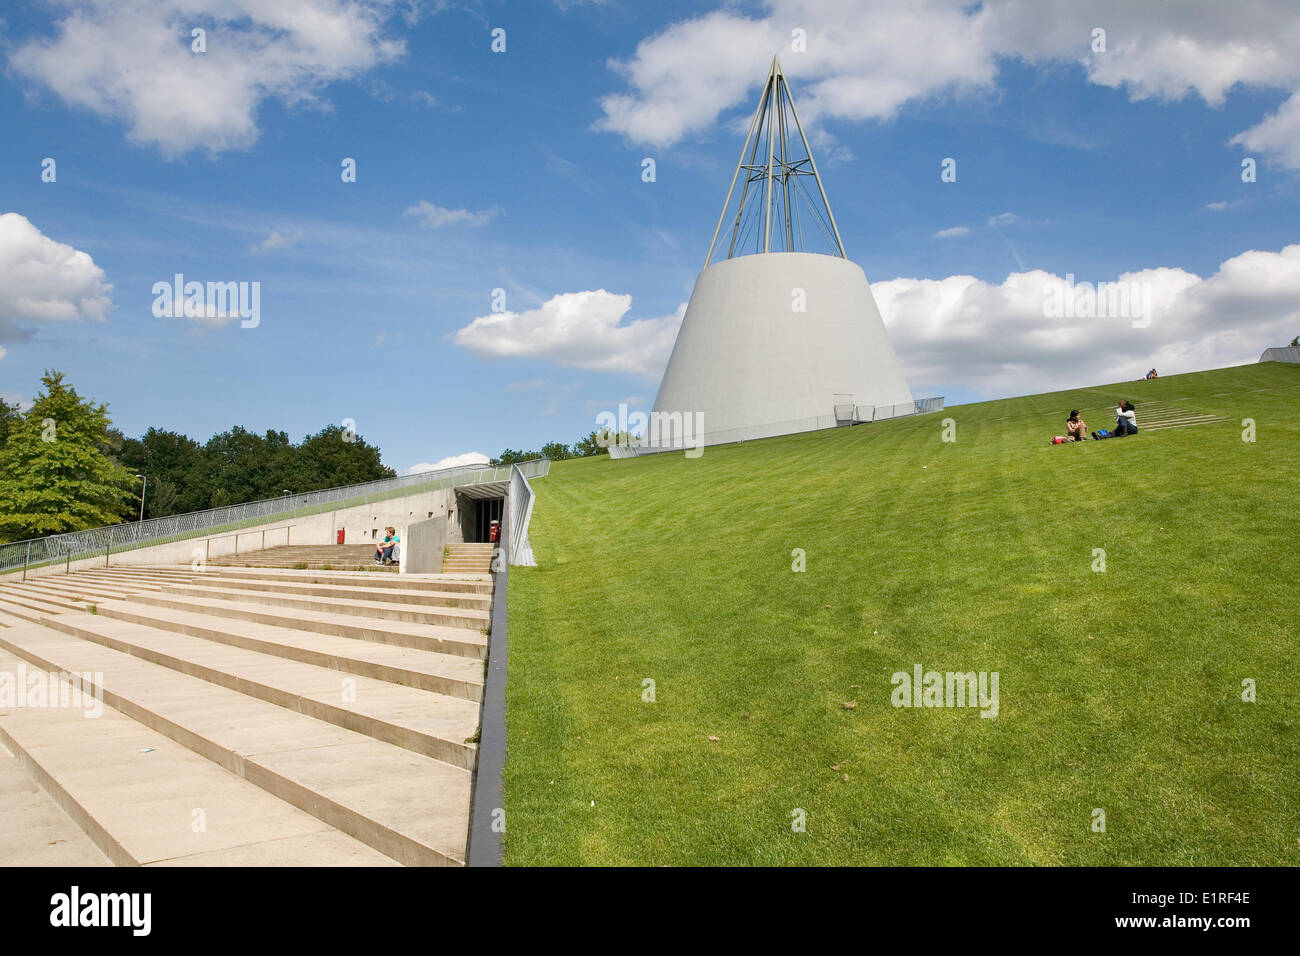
(755, 367)
(365, 525)
(422, 546)
(463, 523)
(362, 525)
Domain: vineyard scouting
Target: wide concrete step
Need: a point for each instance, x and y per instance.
(335, 555)
(36, 831)
(112, 790)
(408, 806)
(80, 589)
(468, 618)
(12, 610)
(145, 575)
(405, 582)
(424, 670)
(357, 592)
(341, 551)
(457, 641)
(33, 598)
(320, 563)
(436, 725)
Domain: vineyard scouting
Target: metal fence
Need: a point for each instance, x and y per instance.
(1287, 353)
(842, 415)
(82, 544)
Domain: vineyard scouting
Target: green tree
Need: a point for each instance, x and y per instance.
(556, 451)
(167, 460)
(512, 457)
(9, 415)
(160, 498)
(243, 466)
(335, 456)
(55, 472)
(587, 446)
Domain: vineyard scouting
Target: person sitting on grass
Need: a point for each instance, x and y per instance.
(1125, 422)
(384, 552)
(1076, 429)
(1125, 419)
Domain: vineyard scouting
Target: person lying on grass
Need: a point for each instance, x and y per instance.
(1076, 429)
(384, 553)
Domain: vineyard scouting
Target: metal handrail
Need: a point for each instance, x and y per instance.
(77, 544)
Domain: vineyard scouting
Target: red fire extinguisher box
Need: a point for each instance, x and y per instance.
(340, 537)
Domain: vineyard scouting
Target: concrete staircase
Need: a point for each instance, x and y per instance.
(250, 716)
(468, 559)
(338, 557)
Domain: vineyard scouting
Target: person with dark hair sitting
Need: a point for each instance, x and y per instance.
(1125, 422)
(1125, 419)
(1076, 429)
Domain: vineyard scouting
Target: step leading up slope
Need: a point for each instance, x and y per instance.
(240, 716)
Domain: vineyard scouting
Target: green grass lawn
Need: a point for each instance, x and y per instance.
(1119, 690)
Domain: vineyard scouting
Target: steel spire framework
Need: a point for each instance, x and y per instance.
(777, 211)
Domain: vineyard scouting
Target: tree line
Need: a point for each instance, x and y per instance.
(63, 467)
(586, 447)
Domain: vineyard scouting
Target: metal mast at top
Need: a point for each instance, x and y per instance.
(777, 186)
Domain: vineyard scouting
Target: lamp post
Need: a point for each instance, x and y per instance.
(144, 483)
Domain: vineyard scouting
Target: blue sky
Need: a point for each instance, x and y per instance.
(1098, 164)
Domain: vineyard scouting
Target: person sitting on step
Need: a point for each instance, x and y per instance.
(386, 552)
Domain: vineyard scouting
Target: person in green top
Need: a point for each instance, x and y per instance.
(384, 553)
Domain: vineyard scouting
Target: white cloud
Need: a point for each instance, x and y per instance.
(1277, 135)
(580, 330)
(469, 458)
(435, 217)
(133, 62)
(45, 281)
(276, 241)
(1003, 219)
(1223, 205)
(951, 233)
(866, 60)
(997, 340)
(204, 315)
